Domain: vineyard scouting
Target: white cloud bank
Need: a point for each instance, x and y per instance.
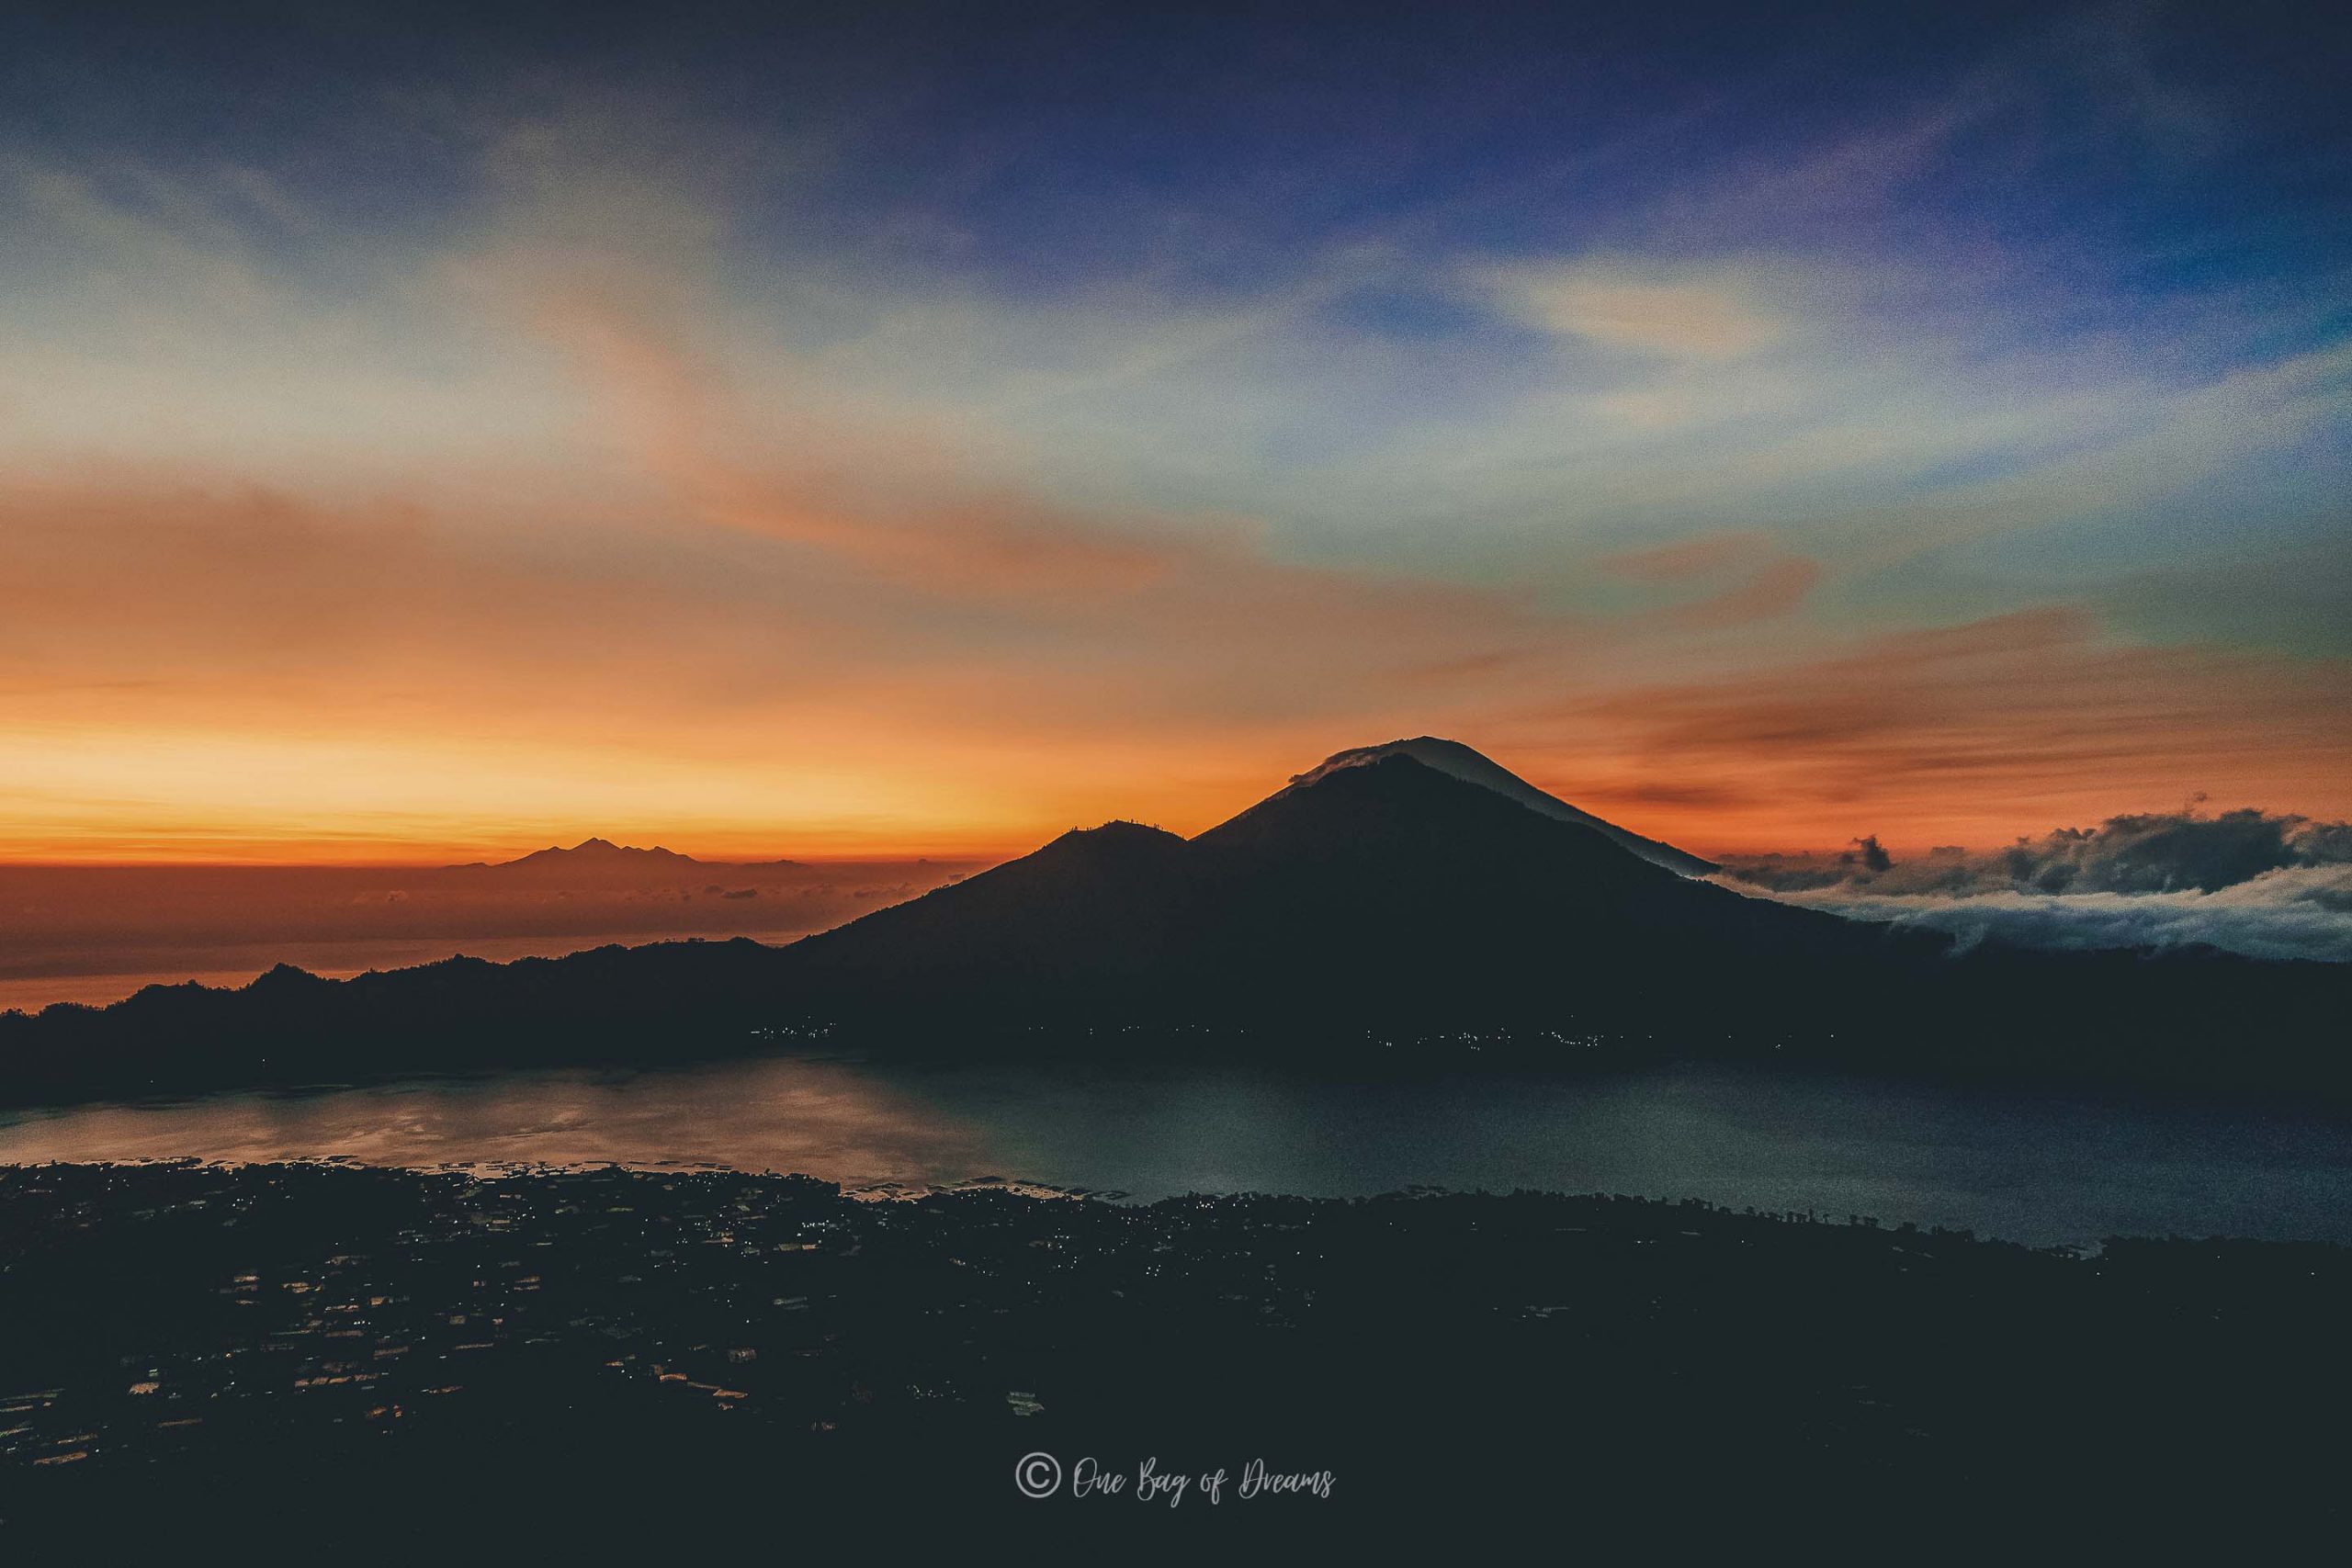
(2302, 912)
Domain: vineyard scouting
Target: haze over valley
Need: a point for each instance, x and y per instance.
(97, 933)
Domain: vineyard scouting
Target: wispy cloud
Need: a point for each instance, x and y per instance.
(1956, 734)
(1619, 305)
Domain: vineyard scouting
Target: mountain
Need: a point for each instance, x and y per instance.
(601, 863)
(1377, 885)
(1454, 758)
(588, 853)
(1401, 891)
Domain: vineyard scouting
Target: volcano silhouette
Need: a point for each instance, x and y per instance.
(1379, 880)
(1415, 889)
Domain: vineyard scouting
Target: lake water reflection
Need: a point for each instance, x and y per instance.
(2037, 1168)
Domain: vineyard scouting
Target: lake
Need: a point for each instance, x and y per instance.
(2040, 1169)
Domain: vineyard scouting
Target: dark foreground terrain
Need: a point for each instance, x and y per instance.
(363, 1364)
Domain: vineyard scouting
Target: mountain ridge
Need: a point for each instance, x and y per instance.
(601, 855)
(1386, 877)
(1383, 896)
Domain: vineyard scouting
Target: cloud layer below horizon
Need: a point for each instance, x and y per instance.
(2246, 881)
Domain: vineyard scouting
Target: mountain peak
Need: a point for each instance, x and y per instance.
(604, 849)
(1430, 750)
(1458, 761)
(1111, 840)
(591, 856)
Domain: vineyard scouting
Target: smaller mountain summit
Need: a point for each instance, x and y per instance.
(601, 866)
(603, 852)
(595, 857)
(602, 857)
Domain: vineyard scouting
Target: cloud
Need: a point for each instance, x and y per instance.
(1776, 589)
(811, 480)
(1677, 313)
(2248, 881)
(1769, 582)
(1870, 854)
(1702, 556)
(1953, 733)
(2302, 911)
(2164, 851)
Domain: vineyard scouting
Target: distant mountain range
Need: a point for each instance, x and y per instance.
(588, 851)
(1404, 891)
(600, 863)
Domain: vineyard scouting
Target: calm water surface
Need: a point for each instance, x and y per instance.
(2037, 1168)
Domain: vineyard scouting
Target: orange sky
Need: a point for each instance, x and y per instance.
(735, 658)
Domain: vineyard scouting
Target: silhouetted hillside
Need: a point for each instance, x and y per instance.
(1387, 890)
(1099, 913)
(1386, 898)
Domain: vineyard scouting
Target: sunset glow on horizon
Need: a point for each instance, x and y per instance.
(833, 439)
